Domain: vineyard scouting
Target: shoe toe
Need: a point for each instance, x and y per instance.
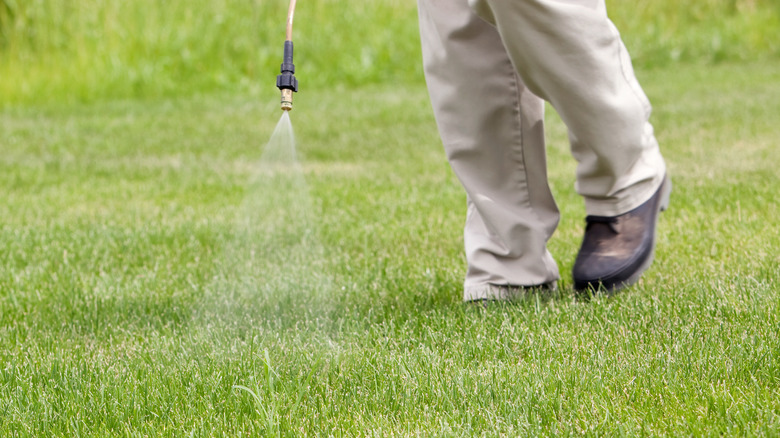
(617, 250)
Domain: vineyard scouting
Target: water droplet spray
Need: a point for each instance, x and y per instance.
(274, 268)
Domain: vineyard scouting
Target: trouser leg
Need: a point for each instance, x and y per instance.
(492, 129)
(569, 53)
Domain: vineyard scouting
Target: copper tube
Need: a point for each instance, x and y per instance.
(290, 14)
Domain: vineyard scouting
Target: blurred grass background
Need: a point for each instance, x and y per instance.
(87, 50)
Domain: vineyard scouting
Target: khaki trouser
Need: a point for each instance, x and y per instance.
(488, 65)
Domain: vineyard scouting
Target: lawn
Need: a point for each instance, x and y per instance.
(164, 273)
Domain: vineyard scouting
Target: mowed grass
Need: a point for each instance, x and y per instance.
(135, 302)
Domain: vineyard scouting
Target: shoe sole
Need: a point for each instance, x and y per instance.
(494, 292)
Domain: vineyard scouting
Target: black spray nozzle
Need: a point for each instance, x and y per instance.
(287, 80)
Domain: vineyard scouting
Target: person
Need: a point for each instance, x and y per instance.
(489, 66)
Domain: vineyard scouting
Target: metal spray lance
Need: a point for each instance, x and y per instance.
(286, 82)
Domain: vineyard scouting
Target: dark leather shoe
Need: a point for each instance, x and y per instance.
(617, 250)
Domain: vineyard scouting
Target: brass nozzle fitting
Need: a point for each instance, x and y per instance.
(287, 97)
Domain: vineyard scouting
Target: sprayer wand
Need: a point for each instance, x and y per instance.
(286, 82)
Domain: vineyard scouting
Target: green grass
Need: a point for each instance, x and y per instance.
(136, 301)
